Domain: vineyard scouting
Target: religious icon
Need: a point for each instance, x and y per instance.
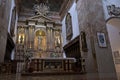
(21, 39)
(57, 41)
(83, 41)
(69, 31)
(101, 39)
(39, 42)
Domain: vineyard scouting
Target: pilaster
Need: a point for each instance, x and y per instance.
(91, 21)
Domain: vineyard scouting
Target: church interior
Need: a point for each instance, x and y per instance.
(59, 39)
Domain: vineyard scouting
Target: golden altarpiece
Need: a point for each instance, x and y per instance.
(40, 37)
(39, 40)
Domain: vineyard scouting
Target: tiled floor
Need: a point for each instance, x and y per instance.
(91, 76)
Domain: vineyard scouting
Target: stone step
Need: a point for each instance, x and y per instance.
(49, 73)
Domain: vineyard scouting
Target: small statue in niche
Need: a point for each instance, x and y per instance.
(57, 41)
(21, 39)
(39, 42)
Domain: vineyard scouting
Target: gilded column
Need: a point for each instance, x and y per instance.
(48, 38)
(60, 42)
(31, 36)
(51, 39)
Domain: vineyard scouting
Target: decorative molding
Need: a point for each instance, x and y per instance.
(41, 9)
(72, 48)
(113, 10)
(71, 42)
(118, 17)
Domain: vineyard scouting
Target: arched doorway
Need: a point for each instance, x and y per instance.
(113, 27)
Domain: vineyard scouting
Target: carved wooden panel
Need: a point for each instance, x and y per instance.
(72, 49)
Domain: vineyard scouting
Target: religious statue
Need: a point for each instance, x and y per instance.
(57, 41)
(21, 39)
(39, 42)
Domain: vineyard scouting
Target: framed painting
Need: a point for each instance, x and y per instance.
(101, 39)
(13, 22)
(83, 41)
(69, 30)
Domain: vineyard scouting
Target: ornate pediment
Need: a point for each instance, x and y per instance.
(40, 18)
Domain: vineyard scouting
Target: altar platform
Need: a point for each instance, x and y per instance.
(51, 66)
(50, 73)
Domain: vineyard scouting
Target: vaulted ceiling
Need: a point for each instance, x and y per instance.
(54, 5)
(57, 8)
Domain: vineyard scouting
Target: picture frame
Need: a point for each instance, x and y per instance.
(116, 54)
(83, 41)
(101, 39)
(69, 30)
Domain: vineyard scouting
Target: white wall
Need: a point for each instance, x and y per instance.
(12, 6)
(114, 36)
(14, 38)
(75, 26)
(109, 2)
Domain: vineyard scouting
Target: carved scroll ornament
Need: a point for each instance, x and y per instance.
(113, 10)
